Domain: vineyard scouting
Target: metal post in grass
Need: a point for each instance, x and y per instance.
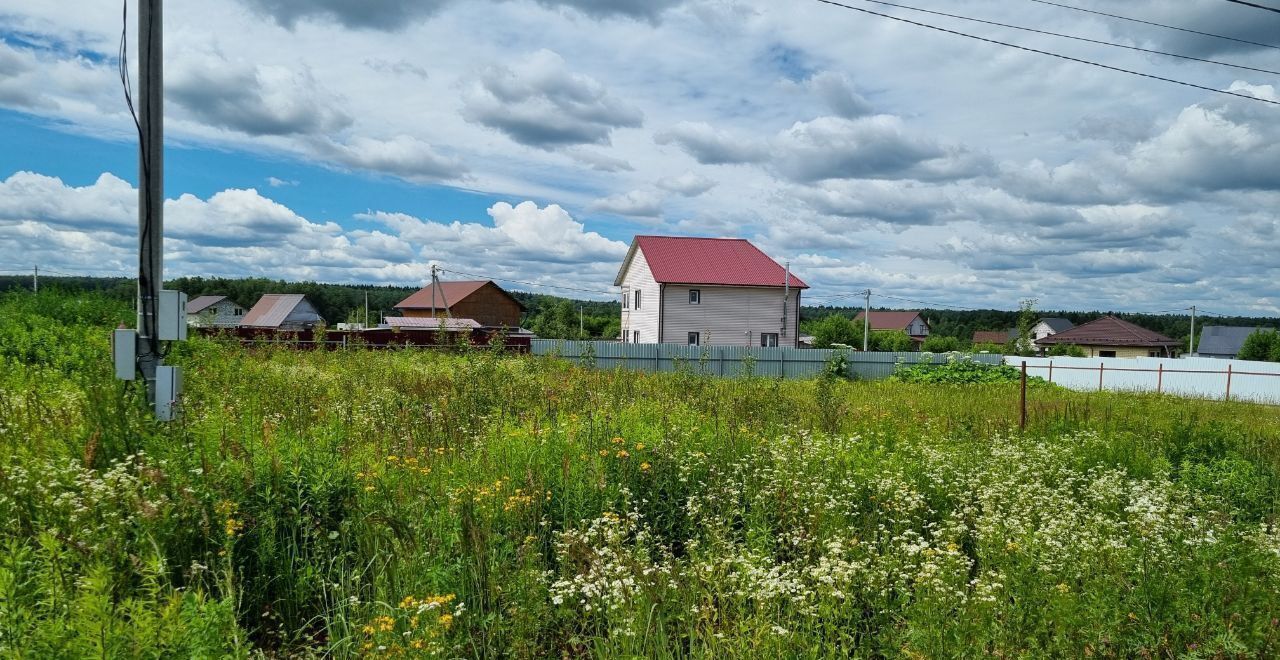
(1228, 382)
(1160, 378)
(1101, 367)
(1022, 421)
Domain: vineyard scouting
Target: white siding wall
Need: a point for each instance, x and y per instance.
(727, 315)
(645, 319)
(918, 328)
(219, 315)
(1041, 331)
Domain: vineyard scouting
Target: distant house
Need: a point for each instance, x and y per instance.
(1220, 341)
(1000, 337)
(282, 311)
(480, 300)
(1049, 326)
(1112, 337)
(911, 323)
(722, 291)
(214, 312)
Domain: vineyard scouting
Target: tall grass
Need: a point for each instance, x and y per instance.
(479, 504)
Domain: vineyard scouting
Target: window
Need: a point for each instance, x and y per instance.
(769, 339)
(625, 299)
(694, 339)
(695, 296)
(1106, 353)
(635, 336)
(637, 305)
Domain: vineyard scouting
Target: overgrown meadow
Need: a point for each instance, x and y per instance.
(474, 504)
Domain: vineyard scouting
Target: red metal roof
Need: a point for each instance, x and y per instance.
(714, 261)
(453, 292)
(271, 310)
(889, 320)
(1109, 331)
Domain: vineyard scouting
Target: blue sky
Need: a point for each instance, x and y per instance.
(531, 139)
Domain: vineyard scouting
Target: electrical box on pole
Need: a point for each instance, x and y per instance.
(168, 391)
(171, 319)
(124, 352)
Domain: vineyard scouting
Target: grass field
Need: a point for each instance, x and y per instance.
(414, 504)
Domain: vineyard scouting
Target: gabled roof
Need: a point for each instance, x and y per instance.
(1223, 340)
(431, 323)
(713, 261)
(272, 309)
(452, 291)
(1057, 324)
(202, 303)
(1109, 331)
(994, 336)
(889, 319)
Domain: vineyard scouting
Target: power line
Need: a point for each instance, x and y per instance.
(549, 286)
(1169, 27)
(1254, 5)
(1074, 37)
(1051, 54)
(931, 304)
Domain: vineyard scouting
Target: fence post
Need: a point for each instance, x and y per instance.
(1101, 366)
(1160, 379)
(1050, 371)
(1022, 421)
(1228, 382)
(782, 364)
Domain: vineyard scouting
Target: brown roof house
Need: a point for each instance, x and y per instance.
(1112, 337)
(1000, 337)
(282, 311)
(480, 300)
(911, 323)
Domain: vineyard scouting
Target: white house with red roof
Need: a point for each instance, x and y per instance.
(704, 291)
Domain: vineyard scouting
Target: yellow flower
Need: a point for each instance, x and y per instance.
(644, 467)
(368, 488)
(368, 630)
(639, 446)
(617, 441)
(392, 458)
(446, 620)
(1062, 588)
(604, 452)
(622, 453)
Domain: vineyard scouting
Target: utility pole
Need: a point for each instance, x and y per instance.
(150, 187)
(1192, 345)
(366, 309)
(580, 327)
(866, 321)
(35, 279)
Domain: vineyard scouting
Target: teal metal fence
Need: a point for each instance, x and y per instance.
(733, 360)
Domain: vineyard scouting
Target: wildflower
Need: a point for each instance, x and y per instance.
(446, 620)
(604, 452)
(644, 467)
(1062, 588)
(622, 453)
(617, 441)
(392, 458)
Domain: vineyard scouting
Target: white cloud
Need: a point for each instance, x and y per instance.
(635, 203)
(689, 184)
(540, 103)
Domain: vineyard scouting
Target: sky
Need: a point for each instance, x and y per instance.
(530, 140)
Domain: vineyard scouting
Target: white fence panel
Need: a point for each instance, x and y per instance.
(1206, 378)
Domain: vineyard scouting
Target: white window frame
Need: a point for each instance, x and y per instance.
(765, 337)
(637, 301)
(626, 299)
(695, 338)
(695, 296)
(635, 336)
